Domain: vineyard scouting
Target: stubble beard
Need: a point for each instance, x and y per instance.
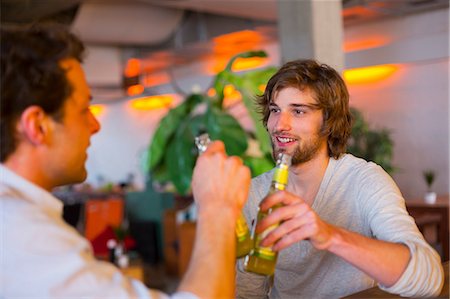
(303, 152)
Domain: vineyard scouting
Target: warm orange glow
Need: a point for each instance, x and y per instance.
(230, 92)
(152, 102)
(97, 110)
(367, 43)
(133, 68)
(231, 95)
(135, 89)
(359, 11)
(369, 74)
(239, 37)
(228, 45)
(211, 92)
(155, 78)
(241, 64)
(262, 88)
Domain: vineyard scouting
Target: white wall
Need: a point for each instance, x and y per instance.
(119, 148)
(413, 104)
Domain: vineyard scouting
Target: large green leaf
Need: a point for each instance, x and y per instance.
(180, 158)
(223, 126)
(198, 125)
(167, 127)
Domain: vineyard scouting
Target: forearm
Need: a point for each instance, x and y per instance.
(383, 261)
(211, 269)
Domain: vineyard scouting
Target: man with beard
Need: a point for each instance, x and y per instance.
(344, 226)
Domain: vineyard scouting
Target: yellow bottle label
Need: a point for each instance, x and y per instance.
(241, 228)
(260, 251)
(281, 175)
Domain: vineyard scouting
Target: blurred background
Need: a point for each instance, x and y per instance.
(147, 56)
(175, 47)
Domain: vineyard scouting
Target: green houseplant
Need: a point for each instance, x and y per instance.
(370, 144)
(429, 177)
(172, 153)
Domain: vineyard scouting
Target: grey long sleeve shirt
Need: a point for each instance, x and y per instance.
(360, 197)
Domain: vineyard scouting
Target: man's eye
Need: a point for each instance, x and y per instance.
(273, 110)
(299, 111)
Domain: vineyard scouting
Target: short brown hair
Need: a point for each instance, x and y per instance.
(31, 74)
(328, 89)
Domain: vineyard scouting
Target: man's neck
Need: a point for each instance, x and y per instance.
(305, 178)
(26, 167)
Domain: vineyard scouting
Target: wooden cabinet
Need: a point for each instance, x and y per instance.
(178, 243)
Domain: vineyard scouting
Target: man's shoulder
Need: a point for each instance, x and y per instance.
(353, 163)
(362, 173)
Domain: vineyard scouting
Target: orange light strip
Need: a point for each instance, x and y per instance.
(152, 102)
(367, 43)
(133, 68)
(97, 109)
(135, 89)
(369, 74)
(238, 37)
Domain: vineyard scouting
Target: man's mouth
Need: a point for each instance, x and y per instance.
(284, 140)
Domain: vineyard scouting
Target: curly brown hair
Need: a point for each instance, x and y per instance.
(31, 74)
(328, 89)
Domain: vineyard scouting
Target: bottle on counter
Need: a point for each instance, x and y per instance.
(262, 260)
(244, 242)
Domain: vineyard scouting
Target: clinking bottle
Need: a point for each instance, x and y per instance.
(243, 241)
(262, 260)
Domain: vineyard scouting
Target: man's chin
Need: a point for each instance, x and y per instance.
(276, 152)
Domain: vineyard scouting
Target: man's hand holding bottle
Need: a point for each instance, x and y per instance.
(220, 182)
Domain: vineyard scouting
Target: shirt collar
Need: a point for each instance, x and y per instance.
(29, 191)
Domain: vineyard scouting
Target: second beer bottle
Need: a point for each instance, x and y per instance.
(262, 260)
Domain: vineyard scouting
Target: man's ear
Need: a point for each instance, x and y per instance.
(34, 124)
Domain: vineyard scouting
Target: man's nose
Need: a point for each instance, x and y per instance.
(284, 122)
(95, 125)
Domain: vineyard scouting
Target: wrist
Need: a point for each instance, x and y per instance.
(338, 240)
(216, 211)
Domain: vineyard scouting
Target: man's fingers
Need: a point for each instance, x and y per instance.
(285, 228)
(283, 197)
(291, 238)
(281, 214)
(215, 147)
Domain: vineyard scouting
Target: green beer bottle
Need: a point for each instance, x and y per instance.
(243, 241)
(262, 260)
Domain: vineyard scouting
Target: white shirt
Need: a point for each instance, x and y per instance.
(43, 257)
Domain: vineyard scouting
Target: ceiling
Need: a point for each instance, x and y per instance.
(181, 31)
(23, 11)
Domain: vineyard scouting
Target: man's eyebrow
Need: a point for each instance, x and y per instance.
(312, 105)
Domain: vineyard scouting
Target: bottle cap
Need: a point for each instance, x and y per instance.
(202, 142)
(285, 159)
